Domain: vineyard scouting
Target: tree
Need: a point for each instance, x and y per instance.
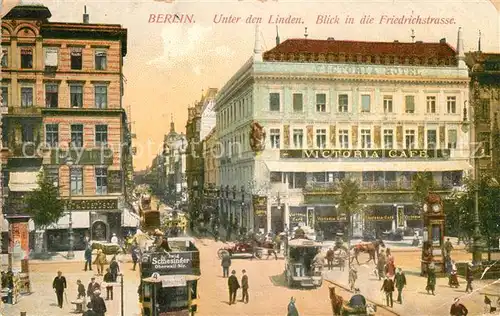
(350, 198)
(43, 204)
(422, 184)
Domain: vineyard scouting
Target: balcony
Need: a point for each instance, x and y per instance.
(24, 111)
(26, 150)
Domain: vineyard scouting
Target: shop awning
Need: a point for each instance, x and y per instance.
(349, 166)
(130, 219)
(80, 220)
(23, 181)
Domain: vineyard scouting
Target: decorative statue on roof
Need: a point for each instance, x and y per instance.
(257, 137)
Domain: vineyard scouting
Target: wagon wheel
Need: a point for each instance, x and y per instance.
(223, 252)
(258, 254)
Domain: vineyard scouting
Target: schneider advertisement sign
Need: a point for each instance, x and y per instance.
(171, 262)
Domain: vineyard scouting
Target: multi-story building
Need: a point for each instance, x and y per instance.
(308, 113)
(174, 166)
(485, 103)
(62, 84)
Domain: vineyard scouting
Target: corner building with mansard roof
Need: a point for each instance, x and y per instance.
(62, 87)
(377, 112)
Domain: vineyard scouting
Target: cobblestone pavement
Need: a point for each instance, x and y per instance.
(416, 301)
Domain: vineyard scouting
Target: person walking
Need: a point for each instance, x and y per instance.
(277, 243)
(330, 254)
(108, 278)
(88, 258)
(448, 247)
(82, 294)
(400, 283)
(381, 265)
(292, 309)
(98, 304)
(468, 278)
(92, 287)
(226, 264)
(353, 276)
(114, 268)
(388, 288)
(390, 266)
(458, 309)
(100, 260)
(89, 311)
(59, 285)
(135, 256)
(244, 287)
(233, 285)
(431, 279)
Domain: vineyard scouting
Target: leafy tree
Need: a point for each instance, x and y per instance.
(43, 203)
(422, 184)
(489, 210)
(350, 198)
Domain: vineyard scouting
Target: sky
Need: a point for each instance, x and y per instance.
(168, 65)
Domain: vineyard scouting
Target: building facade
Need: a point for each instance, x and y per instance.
(485, 103)
(299, 118)
(62, 84)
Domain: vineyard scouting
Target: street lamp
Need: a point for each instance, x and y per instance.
(121, 290)
(71, 254)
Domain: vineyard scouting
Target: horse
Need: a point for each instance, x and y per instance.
(371, 248)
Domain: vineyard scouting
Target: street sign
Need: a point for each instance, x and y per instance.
(173, 281)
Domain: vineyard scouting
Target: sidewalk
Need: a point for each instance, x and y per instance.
(414, 295)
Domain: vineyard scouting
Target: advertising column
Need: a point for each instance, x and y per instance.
(260, 212)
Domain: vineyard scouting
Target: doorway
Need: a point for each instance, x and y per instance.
(99, 231)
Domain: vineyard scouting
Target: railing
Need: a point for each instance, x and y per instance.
(16, 110)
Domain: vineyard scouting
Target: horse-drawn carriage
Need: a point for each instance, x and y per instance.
(254, 246)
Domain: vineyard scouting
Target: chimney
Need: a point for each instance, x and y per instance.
(442, 41)
(257, 50)
(85, 15)
(460, 50)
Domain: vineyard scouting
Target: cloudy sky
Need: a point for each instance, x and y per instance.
(168, 65)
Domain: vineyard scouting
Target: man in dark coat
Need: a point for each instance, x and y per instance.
(244, 287)
(388, 288)
(233, 285)
(59, 285)
(292, 309)
(89, 311)
(114, 268)
(81, 290)
(92, 287)
(135, 256)
(98, 304)
(88, 258)
(226, 264)
(400, 283)
(108, 278)
(468, 278)
(458, 309)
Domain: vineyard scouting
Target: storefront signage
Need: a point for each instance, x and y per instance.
(375, 218)
(324, 219)
(368, 70)
(413, 217)
(364, 154)
(171, 261)
(87, 205)
(259, 205)
(173, 281)
(297, 217)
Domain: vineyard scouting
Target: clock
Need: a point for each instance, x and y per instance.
(425, 207)
(436, 208)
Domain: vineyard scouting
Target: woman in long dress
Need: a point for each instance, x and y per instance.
(390, 266)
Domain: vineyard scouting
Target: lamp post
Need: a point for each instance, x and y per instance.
(122, 299)
(71, 254)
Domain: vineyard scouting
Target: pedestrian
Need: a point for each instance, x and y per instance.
(100, 260)
(353, 276)
(277, 242)
(271, 249)
(233, 285)
(244, 287)
(292, 309)
(431, 279)
(108, 278)
(89, 311)
(390, 267)
(92, 287)
(381, 265)
(458, 309)
(114, 239)
(4, 280)
(226, 264)
(81, 290)
(448, 247)
(98, 304)
(88, 258)
(114, 268)
(400, 283)
(388, 288)
(330, 254)
(135, 256)
(468, 277)
(59, 285)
